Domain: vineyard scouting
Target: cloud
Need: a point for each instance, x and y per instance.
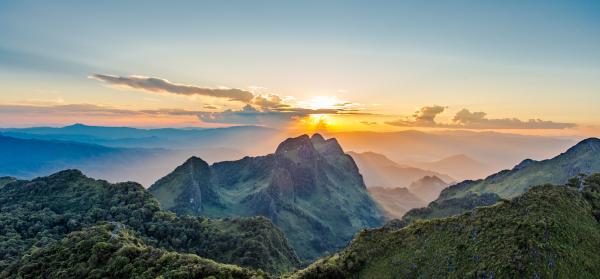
(259, 109)
(265, 102)
(270, 102)
(250, 115)
(368, 123)
(424, 117)
(86, 110)
(465, 119)
(478, 120)
(428, 114)
(153, 84)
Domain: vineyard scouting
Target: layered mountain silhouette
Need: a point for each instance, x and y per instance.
(380, 171)
(548, 232)
(45, 157)
(309, 188)
(428, 188)
(459, 166)
(584, 158)
(395, 202)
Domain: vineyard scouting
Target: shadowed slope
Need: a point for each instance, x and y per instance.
(309, 188)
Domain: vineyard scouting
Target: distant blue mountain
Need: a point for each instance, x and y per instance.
(172, 138)
(28, 158)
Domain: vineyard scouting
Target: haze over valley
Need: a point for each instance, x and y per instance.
(299, 139)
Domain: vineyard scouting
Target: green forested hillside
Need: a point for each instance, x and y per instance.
(112, 251)
(309, 188)
(549, 232)
(584, 157)
(41, 211)
(462, 197)
(5, 180)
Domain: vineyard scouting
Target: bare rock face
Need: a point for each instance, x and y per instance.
(309, 188)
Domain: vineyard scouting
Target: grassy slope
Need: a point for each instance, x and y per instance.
(549, 231)
(111, 251)
(43, 210)
(582, 158)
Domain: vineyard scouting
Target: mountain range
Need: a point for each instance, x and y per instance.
(428, 188)
(461, 167)
(167, 138)
(309, 188)
(584, 157)
(496, 150)
(266, 216)
(380, 171)
(548, 232)
(45, 157)
(395, 202)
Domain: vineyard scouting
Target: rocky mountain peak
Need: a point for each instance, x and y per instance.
(294, 144)
(327, 147)
(317, 139)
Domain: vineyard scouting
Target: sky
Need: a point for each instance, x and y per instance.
(520, 66)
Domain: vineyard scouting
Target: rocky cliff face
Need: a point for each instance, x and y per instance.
(309, 188)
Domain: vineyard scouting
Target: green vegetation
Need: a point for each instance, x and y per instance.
(450, 207)
(5, 180)
(463, 197)
(309, 188)
(39, 212)
(581, 158)
(111, 251)
(548, 232)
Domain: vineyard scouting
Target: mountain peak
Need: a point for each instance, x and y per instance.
(68, 173)
(317, 138)
(592, 144)
(292, 144)
(195, 163)
(525, 163)
(327, 147)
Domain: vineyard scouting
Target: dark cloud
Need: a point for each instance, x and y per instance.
(162, 85)
(465, 119)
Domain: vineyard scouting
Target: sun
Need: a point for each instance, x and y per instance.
(324, 102)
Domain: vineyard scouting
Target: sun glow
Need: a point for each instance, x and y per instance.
(324, 102)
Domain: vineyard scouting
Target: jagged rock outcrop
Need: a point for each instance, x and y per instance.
(309, 188)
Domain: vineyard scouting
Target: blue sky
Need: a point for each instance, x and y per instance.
(525, 59)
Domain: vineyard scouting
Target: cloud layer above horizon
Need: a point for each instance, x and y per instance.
(465, 119)
(265, 109)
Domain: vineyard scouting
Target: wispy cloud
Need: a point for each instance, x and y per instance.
(260, 109)
(87, 110)
(152, 84)
(465, 119)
